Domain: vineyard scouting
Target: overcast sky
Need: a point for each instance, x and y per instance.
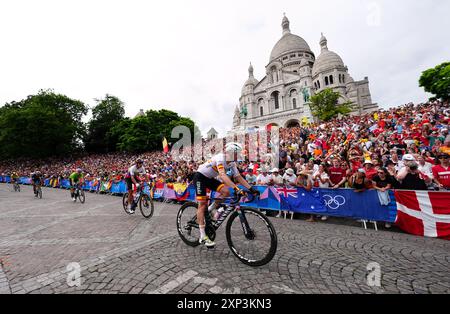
(192, 56)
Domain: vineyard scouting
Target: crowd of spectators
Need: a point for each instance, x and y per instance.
(401, 148)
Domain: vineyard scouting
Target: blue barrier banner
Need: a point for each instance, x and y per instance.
(86, 185)
(115, 188)
(25, 180)
(334, 203)
(340, 203)
(65, 183)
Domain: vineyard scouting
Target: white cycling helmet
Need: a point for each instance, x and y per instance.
(233, 148)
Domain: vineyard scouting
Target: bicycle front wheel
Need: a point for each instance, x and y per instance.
(146, 206)
(125, 203)
(81, 196)
(40, 192)
(252, 237)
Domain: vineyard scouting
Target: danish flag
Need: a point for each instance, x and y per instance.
(424, 213)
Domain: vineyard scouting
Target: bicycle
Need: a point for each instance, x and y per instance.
(38, 192)
(250, 232)
(145, 202)
(79, 193)
(16, 186)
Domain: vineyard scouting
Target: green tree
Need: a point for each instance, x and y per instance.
(437, 81)
(106, 114)
(41, 125)
(137, 136)
(146, 133)
(325, 105)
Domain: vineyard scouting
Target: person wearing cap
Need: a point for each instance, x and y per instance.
(407, 160)
(441, 172)
(263, 177)
(370, 170)
(289, 178)
(411, 178)
(276, 179)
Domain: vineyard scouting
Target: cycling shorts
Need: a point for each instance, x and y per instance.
(202, 183)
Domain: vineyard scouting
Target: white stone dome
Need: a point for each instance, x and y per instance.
(327, 60)
(289, 43)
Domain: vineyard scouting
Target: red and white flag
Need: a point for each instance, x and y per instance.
(424, 213)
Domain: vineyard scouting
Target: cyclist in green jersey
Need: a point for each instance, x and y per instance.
(75, 178)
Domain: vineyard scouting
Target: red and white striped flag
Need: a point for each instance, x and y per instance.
(424, 213)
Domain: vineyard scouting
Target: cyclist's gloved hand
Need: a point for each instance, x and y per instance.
(254, 191)
(240, 192)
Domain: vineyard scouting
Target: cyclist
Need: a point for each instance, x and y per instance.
(205, 178)
(132, 177)
(14, 178)
(36, 180)
(75, 178)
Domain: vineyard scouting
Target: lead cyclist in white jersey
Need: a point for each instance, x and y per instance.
(205, 178)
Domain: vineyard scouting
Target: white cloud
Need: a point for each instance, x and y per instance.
(191, 56)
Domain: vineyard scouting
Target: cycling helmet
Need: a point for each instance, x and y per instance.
(79, 170)
(139, 161)
(233, 148)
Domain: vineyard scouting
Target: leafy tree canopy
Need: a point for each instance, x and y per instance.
(41, 125)
(325, 105)
(437, 81)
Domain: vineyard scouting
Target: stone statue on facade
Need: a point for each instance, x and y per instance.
(244, 112)
(306, 94)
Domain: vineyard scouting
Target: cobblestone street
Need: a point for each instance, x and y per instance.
(118, 253)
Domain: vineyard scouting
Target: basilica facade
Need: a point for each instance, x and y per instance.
(293, 75)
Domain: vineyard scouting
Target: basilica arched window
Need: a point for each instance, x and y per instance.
(276, 100)
(326, 80)
(343, 78)
(293, 96)
(331, 80)
(261, 111)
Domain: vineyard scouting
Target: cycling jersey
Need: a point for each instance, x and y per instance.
(134, 171)
(75, 177)
(211, 168)
(36, 179)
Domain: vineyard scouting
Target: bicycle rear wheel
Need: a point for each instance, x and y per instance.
(254, 245)
(18, 188)
(40, 192)
(146, 206)
(187, 225)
